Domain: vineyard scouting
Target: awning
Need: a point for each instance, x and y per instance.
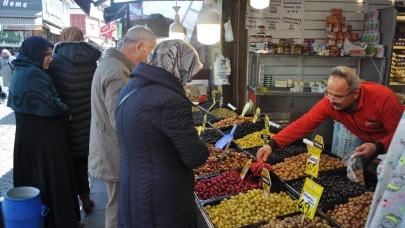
(53, 29)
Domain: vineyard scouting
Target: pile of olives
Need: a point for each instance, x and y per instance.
(354, 213)
(295, 167)
(249, 208)
(210, 136)
(230, 121)
(251, 140)
(220, 161)
(198, 118)
(295, 222)
(335, 187)
(195, 109)
(223, 113)
(245, 129)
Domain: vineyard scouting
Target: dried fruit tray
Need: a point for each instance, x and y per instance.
(274, 189)
(328, 178)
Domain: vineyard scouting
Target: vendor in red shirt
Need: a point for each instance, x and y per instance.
(370, 111)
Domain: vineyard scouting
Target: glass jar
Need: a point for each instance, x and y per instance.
(287, 49)
(280, 49)
(260, 38)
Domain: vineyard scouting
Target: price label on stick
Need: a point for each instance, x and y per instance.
(313, 159)
(309, 199)
(246, 108)
(318, 142)
(212, 105)
(266, 182)
(245, 169)
(200, 128)
(266, 122)
(257, 115)
(265, 136)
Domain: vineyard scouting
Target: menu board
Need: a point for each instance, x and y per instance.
(280, 15)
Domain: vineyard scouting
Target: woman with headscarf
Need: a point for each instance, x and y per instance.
(72, 70)
(41, 155)
(159, 145)
(6, 67)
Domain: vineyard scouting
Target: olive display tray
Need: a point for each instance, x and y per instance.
(213, 129)
(274, 189)
(321, 172)
(369, 178)
(234, 146)
(256, 179)
(323, 216)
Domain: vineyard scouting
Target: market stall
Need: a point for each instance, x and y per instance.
(230, 192)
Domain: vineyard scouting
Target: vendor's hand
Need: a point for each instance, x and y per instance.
(264, 152)
(365, 150)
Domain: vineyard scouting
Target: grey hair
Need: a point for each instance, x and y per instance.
(350, 75)
(139, 33)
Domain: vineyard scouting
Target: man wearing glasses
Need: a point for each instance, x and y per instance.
(370, 111)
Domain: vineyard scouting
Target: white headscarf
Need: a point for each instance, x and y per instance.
(7, 52)
(177, 57)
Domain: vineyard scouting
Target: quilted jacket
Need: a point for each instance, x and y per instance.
(72, 71)
(159, 148)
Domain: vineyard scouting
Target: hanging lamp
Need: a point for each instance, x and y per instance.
(208, 25)
(259, 4)
(176, 30)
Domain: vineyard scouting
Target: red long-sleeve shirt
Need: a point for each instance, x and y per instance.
(376, 116)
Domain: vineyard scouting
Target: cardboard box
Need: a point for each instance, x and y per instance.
(197, 90)
(347, 28)
(337, 12)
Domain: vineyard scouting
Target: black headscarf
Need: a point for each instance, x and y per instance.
(34, 48)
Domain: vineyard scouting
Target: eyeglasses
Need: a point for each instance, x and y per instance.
(335, 97)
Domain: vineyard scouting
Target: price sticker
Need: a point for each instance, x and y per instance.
(266, 182)
(318, 142)
(313, 159)
(245, 169)
(267, 122)
(257, 115)
(246, 108)
(200, 128)
(265, 136)
(309, 199)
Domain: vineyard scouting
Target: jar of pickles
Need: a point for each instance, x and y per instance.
(280, 49)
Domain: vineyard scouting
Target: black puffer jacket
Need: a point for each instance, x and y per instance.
(72, 70)
(159, 148)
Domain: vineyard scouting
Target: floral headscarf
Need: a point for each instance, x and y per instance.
(177, 57)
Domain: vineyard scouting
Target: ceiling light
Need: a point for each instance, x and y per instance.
(208, 25)
(176, 30)
(259, 4)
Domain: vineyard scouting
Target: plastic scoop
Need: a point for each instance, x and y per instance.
(223, 142)
(257, 167)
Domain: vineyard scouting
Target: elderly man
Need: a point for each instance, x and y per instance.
(370, 111)
(111, 75)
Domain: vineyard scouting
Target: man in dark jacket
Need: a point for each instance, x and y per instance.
(159, 144)
(72, 70)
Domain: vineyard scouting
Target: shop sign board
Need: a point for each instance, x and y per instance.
(22, 27)
(29, 8)
(280, 15)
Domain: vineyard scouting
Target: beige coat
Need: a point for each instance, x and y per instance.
(104, 152)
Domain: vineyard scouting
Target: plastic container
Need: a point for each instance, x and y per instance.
(22, 207)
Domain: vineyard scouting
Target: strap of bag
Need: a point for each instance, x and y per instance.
(127, 96)
(12, 68)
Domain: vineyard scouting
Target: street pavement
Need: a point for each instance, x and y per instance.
(96, 219)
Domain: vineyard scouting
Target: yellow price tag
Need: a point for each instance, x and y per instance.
(266, 182)
(309, 199)
(204, 120)
(246, 108)
(200, 128)
(245, 169)
(265, 136)
(257, 115)
(266, 122)
(318, 143)
(313, 159)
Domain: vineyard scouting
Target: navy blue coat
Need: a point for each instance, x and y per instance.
(159, 148)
